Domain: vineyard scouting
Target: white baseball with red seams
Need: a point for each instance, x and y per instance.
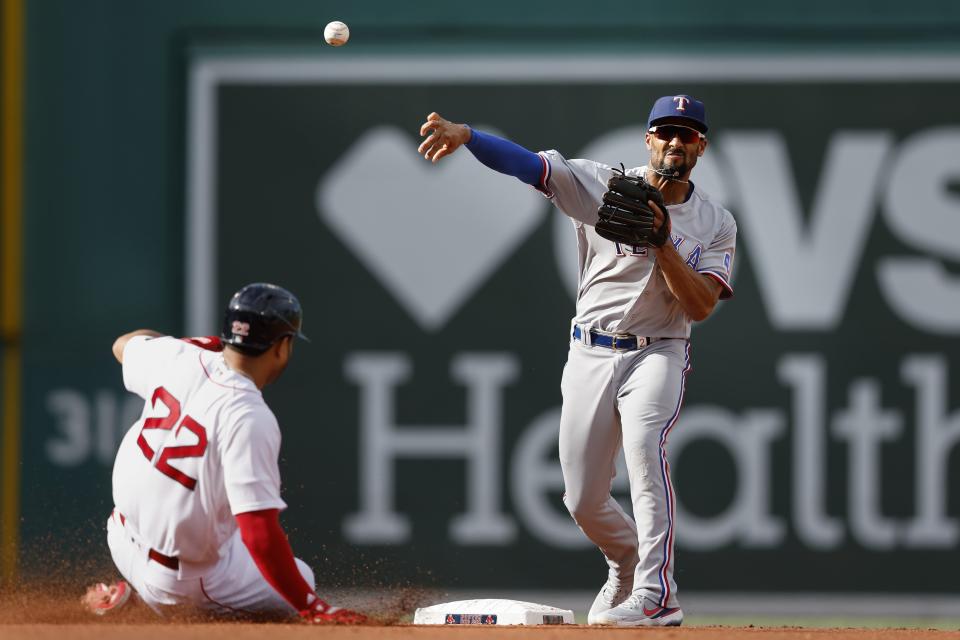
(336, 33)
(205, 448)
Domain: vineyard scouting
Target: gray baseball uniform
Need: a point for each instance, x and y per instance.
(614, 398)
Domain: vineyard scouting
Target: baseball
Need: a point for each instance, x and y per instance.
(336, 33)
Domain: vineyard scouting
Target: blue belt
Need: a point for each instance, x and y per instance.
(615, 342)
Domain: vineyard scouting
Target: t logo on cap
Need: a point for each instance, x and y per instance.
(680, 109)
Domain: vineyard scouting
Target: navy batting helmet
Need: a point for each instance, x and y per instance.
(258, 315)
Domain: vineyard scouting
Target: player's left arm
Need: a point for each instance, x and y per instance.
(268, 546)
(120, 343)
(697, 293)
(249, 452)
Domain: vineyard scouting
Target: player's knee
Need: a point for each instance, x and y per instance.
(307, 573)
(581, 508)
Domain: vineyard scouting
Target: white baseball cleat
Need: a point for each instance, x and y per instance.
(613, 593)
(638, 611)
(102, 598)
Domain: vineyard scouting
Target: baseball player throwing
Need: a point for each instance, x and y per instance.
(647, 271)
(196, 486)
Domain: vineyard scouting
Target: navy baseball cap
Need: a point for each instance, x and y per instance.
(680, 107)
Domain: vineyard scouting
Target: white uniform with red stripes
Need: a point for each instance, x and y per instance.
(629, 398)
(204, 449)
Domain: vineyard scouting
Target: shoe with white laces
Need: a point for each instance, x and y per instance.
(103, 598)
(614, 592)
(638, 611)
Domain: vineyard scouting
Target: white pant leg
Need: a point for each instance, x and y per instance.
(650, 397)
(126, 554)
(156, 585)
(236, 584)
(589, 443)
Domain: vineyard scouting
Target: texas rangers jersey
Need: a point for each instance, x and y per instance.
(621, 288)
(204, 449)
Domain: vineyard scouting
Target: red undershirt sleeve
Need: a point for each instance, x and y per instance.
(268, 545)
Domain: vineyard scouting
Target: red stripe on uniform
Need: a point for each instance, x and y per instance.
(210, 378)
(668, 487)
(219, 604)
(544, 177)
(727, 289)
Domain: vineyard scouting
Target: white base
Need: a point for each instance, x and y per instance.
(492, 611)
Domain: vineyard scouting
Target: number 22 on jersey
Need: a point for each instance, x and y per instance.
(168, 453)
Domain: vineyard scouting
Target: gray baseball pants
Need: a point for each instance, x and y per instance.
(630, 399)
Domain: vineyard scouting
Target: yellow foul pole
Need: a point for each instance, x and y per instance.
(11, 280)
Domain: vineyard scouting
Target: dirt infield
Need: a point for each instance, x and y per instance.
(103, 630)
(55, 613)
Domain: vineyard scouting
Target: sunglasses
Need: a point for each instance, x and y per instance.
(670, 131)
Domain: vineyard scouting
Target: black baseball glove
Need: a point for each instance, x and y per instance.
(625, 216)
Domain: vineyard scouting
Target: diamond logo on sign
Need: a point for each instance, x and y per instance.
(431, 233)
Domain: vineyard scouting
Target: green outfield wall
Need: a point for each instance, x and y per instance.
(175, 151)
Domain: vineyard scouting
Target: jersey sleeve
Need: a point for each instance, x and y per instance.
(144, 360)
(207, 343)
(717, 260)
(573, 185)
(250, 451)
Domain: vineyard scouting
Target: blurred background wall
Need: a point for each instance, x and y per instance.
(173, 151)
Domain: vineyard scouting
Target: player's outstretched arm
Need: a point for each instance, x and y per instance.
(122, 341)
(499, 154)
(443, 137)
